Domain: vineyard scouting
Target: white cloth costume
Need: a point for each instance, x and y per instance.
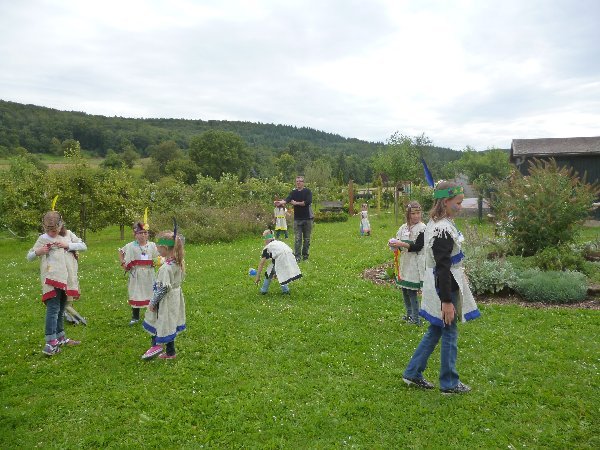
(412, 264)
(280, 220)
(139, 262)
(431, 307)
(168, 320)
(286, 266)
(365, 226)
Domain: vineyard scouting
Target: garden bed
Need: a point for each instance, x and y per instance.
(378, 275)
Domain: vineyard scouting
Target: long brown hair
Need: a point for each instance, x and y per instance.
(178, 251)
(438, 211)
(412, 205)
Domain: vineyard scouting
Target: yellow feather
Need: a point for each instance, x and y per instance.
(53, 205)
(146, 216)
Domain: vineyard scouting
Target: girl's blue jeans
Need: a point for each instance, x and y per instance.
(449, 349)
(55, 311)
(411, 302)
(267, 283)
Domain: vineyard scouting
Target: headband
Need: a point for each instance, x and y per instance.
(166, 242)
(448, 193)
(268, 236)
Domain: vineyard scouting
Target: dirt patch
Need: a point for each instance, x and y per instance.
(378, 275)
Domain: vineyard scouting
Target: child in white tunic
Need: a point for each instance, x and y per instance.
(365, 226)
(283, 264)
(165, 316)
(52, 249)
(410, 239)
(280, 214)
(137, 258)
(446, 294)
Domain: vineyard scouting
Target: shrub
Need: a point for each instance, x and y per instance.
(542, 210)
(211, 224)
(552, 287)
(489, 276)
(329, 216)
(558, 259)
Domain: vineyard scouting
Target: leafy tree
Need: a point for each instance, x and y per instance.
(484, 168)
(164, 153)
(318, 174)
(399, 159)
(23, 200)
(219, 152)
(130, 156)
(542, 210)
(112, 161)
(286, 166)
(183, 169)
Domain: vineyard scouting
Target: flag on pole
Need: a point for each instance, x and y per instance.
(428, 176)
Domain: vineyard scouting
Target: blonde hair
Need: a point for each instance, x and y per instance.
(178, 251)
(438, 211)
(413, 205)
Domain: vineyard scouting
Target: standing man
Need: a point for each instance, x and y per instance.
(301, 199)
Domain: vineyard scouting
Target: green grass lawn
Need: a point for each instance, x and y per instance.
(318, 369)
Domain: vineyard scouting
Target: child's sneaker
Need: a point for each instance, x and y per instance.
(152, 352)
(165, 356)
(50, 349)
(133, 322)
(68, 342)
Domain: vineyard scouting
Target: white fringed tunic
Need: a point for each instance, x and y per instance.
(431, 307)
(139, 262)
(412, 264)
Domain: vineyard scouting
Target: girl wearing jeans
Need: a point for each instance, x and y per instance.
(446, 293)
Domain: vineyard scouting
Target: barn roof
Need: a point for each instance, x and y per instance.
(555, 146)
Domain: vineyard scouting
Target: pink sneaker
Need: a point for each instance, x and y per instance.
(165, 356)
(68, 342)
(152, 352)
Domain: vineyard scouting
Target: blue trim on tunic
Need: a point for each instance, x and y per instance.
(163, 339)
(472, 315)
(431, 319)
(457, 258)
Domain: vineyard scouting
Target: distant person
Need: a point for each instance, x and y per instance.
(301, 199)
(410, 238)
(137, 258)
(165, 316)
(446, 293)
(280, 218)
(283, 264)
(365, 226)
(52, 249)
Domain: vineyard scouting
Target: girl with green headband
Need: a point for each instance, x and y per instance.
(165, 316)
(446, 293)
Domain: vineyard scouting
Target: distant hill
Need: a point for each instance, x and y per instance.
(38, 129)
(33, 128)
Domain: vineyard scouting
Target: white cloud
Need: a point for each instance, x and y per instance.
(476, 73)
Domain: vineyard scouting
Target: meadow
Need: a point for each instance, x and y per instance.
(321, 368)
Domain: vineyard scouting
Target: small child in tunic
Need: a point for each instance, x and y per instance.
(137, 258)
(280, 214)
(283, 264)
(410, 239)
(365, 226)
(52, 249)
(165, 316)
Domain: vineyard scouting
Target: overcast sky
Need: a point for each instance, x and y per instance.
(477, 73)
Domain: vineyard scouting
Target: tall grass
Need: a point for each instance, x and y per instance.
(318, 369)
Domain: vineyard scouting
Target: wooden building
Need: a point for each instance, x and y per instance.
(580, 153)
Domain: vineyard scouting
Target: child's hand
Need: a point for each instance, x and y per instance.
(61, 245)
(257, 279)
(44, 250)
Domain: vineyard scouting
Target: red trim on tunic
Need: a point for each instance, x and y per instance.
(139, 303)
(139, 262)
(56, 284)
(49, 295)
(73, 293)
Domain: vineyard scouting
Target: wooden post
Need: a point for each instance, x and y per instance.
(378, 199)
(351, 198)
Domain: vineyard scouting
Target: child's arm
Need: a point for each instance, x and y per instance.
(160, 290)
(261, 264)
(38, 250)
